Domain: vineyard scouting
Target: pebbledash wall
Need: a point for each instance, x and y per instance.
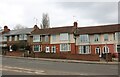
(95, 40)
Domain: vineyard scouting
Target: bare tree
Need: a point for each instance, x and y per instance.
(45, 21)
(19, 26)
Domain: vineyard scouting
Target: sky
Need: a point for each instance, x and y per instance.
(61, 13)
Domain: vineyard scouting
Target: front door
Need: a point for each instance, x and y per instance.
(98, 51)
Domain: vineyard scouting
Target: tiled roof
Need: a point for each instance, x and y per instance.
(57, 30)
(99, 29)
(19, 31)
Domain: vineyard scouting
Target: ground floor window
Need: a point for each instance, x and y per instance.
(53, 49)
(37, 48)
(105, 49)
(118, 48)
(84, 49)
(47, 49)
(64, 47)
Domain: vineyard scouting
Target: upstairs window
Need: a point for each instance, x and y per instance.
(96, 37)
(84, 38)
(22, 37)
(53, 37)
(37, 38)
(25, 37)
(64, 36)
(46, 38)
(10, 38)
(105, 37)
(16, 38)
(4, 38)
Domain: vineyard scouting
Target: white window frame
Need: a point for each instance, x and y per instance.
(47, 51)
(25, 37)
(4, 38)
(96, 36)
(22, 37)
(106, 38)
(38, 37)
(10, 38)
(81, 49)
(53, 50)
(16, 38)
(84, 38)
(65, 47)
(105, 49)
(54, 37)
(46, 38)
(64, 36)
(34, 47)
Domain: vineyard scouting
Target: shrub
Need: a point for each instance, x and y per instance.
(14, 47)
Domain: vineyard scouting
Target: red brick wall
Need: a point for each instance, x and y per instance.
(14, 53)
(111, 48)
(86, 57)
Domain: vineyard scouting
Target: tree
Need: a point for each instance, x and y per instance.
(45, 21)
(19, 26)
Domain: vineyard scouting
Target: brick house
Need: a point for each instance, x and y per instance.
(53, 40)
(17, 37)
(89, 40)
(3, 39)
(98, 39)
(78, 41)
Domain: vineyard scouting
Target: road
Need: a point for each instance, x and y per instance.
(15, 66)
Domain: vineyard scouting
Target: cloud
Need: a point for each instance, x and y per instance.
(61, 13)
(102, 12)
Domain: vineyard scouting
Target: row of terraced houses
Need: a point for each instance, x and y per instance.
(68, 39)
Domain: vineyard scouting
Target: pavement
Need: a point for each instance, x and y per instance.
(68, 61)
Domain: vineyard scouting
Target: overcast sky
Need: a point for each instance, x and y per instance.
(24, 12)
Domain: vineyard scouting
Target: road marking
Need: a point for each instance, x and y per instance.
(18, 69)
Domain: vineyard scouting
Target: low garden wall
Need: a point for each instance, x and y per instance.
(14, 53)
(86, 57)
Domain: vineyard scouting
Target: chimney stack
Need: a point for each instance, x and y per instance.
(35, 27)
(6, 29)
(75, 24)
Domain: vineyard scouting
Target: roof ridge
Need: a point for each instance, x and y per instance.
(100, 26)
